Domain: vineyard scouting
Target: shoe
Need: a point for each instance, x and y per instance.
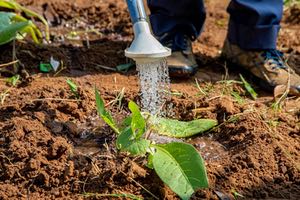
(182, 62)
(268, 66)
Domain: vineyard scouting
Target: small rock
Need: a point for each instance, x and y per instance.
(56, 127)
(73, 129)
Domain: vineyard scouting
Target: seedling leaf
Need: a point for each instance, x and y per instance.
(127, 142)
(249, 88)
(72, 85)
(138, 124)
(8, 28)
(238, 97)
(126, 122)
(105, 115)
(180, 129)
(181, 167)
(150, 161)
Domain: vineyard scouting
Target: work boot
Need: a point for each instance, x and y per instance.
(182, 62)
(268, 66)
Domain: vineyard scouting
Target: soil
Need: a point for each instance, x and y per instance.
(54, 146)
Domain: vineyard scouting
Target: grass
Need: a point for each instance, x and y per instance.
(291, 2)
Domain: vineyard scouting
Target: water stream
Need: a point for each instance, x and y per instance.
(154, 85)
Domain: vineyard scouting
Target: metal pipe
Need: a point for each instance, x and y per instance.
(137, 10)
(141, 9)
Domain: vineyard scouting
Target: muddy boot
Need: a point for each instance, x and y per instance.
(268, 66)
(182, 62)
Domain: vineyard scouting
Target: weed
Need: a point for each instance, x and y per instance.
(73, 88)
(249, 88)
(237, 195)
(201, 91)
(12, 81)
(118, 100)
(237, 97)
(179, 165)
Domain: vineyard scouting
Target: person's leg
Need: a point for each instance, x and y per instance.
(251, 42)
(254, 24)
(169, 15)
(176, 24)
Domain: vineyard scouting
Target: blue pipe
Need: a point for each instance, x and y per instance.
(136, 10)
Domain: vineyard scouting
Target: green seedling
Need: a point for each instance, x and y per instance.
(237, 97)
(249, 88)
(12, 81)
(179, 165)
(236, 194)
(73, 88)
(12, 23)
(273, 123)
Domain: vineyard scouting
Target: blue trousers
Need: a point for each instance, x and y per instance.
(253, 24)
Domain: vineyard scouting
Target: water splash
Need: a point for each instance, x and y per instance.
(155, 85)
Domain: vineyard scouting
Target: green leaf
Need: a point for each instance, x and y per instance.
(150, 161)
(237, 97)
(249, 88)
(181, 167)
(126, 122)
(10, 4)
(103, 113)
(72, 85)
(127, 142)
(180, 129)
(124, 67)
(9, 28)
(138, 124)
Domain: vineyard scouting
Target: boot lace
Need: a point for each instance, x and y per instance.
(275, 58)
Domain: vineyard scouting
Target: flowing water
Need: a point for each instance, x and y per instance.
(155, 85)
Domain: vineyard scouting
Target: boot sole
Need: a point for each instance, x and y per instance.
(182, 72)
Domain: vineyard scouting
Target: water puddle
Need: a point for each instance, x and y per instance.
(210, 150)
(87, 147)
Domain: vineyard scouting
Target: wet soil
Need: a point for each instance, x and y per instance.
(54, 146)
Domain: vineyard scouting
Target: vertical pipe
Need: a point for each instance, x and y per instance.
(141, 9)
(137, 10)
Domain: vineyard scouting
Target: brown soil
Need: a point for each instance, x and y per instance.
(55, 147)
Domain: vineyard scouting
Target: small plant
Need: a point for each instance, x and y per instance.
(179, 165)
(237, 97)
(73, 87)
(12, 82)
(14, 26)
(249, 88)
